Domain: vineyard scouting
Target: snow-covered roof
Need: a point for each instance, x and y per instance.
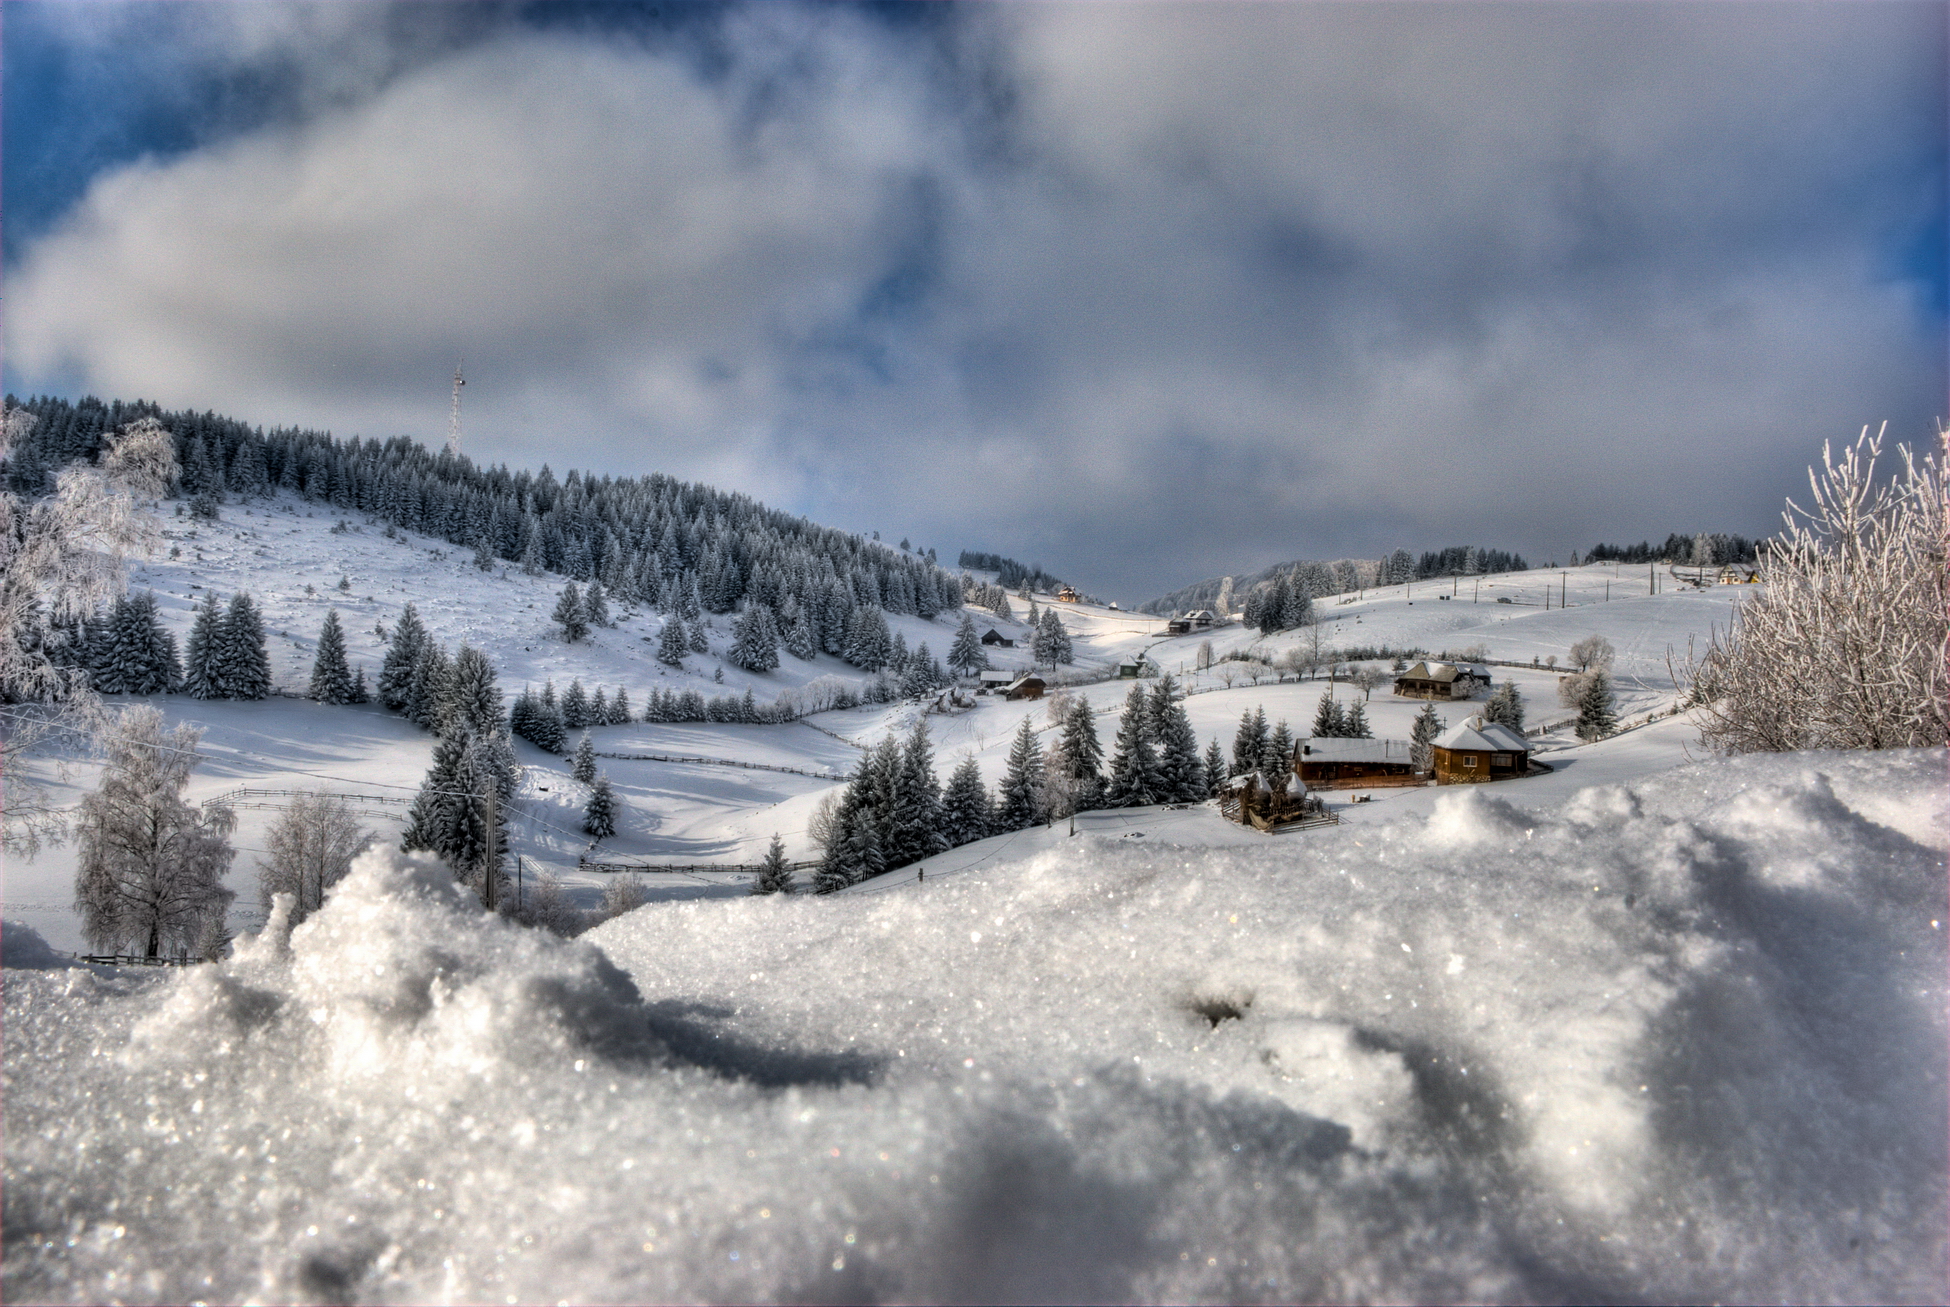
(1332, 749)
(1432, 670)
(998, 675)
(1479, 734)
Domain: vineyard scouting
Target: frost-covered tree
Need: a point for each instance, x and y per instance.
(671, 645)
(244, 663)
(1020, 802)
(583, 768)
(1051, 643)
(774, 874)
(595, 606)
(473, 702)
(310, 848)
(1215, 769)
(1083, 756)
(1593, 651)
(402, 653)
(914, 817)
(1354, 722)
(151, 867)
(1505, 706)
(575, 706)
(1597, 711)
(622, 893)
(1250, 742)
(201, 676)
(1843, 648)
(140, 654)
(1276, 763)
(700, 642)
(331, 678)
(1181, 776)
(966, 814)
(426, 697)
(450, 815)
(1135, 778)
(599, 814)
(966, 656)
(755, 639)
(800, 641)
(619, 708)
(569, 614)
(1329, 721)
(1422, 736)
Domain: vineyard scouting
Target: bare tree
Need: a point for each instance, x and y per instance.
(622, 893)
(1593, 653)
(823, 826)
(311, 849)
(1844, 648)
(151, 870)
(61, 556)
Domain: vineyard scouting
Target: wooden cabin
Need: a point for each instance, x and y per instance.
(1250, 801)
(1436, 680)
(1324, 761)
(992, 679)
(1179, 626)
(1025, 687)
(1066, 595)
(1477, 751)
(995, 639)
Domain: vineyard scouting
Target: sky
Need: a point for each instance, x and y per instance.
(1144, 293)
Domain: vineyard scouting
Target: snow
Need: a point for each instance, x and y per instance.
(1678, 1039)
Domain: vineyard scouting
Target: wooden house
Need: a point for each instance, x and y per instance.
(1477, 750)
(1024, 687)
(997, 678)
(1250, 801)
(1066, 595)
(1129, 670)
(995, 639)
(1323, 761)
(1179, 626)
(1435, 680)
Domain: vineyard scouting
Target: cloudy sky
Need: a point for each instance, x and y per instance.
(1145, 293)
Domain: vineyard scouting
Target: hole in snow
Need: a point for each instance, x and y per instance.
(1216, 1009)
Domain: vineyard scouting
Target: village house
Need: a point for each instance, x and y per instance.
(1435, 680)
(997, 640)
(1026, 687)
(1066, 595)
(1178, 626)
(1325, 761)
(1477, 750)
(997, 678)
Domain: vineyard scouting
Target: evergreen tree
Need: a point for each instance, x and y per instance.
(671, 645)
(1422, 735)
(599, 814)
(599, 707)
(1276, 764)
(202, 678)
(619, 709)
(774, 875)
(1021, 803)
(915, 819)
(1354, 725)
(800, 641)
(1215, 769)
(1272, 607)
(1597, 711)
(449, 816)
(396, 672)
(755, 639)
(1181, 775)
(1329, 723)
(244, 665)
(140, 655)
(473, 701)
(1083, 755)
(1249, 743)
(966, 657)
(1135, 778)
(966, 815)
(595, 605)
(575, 706)
(360, 694)
(700, 643)
(426, 696)
(569, 614)
(331, 678)
(1505, 706)
(584, 766)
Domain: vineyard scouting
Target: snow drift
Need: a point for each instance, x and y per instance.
(1683, 1040)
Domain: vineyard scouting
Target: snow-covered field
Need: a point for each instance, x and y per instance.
(1680, 1040)
(1646, 1028)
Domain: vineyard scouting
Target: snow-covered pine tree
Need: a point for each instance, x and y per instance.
(966, 657)
(583, 768)
(201, 675)
(1250, 742)
(331, 678)
(599, 814)
(1020, 802)
(1505, 706)
(449, 816)
(569, 614)
(1083, 754)
(965, 807)
(473, 695)
(619, 708)
(914, 824)
(1215, 769)
(774, 875)
(897, 658)
(244, 666)
(1354, 723)
(700, 643)
(1181, 774)
(1272, 608)
(360, 694)
(1422, 735)
(140, 656)
(402, 653)
(1276, 764)
(595, 605)
(599, 707)
(800, 641)
(1135, 778)
(427, 694)
(575, 706)
(151, 867)
(671, 645)
(755, 639)
(1329, 722)
(1597, 713)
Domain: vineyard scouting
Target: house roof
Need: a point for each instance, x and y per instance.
(1332, 749)
(1027, 679)
(998, 675)
(1478, 734)
(1444, 673)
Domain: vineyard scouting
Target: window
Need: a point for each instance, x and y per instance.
(1500, 760)
(1469, 761)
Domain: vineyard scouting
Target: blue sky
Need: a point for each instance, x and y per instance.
(1143, 292)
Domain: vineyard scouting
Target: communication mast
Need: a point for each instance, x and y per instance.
(453, 419)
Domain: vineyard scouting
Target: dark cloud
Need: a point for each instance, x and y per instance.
(1143, 292)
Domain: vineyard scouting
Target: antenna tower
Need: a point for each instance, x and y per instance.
(453, 419)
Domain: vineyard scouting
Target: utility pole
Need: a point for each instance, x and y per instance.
(493, 858)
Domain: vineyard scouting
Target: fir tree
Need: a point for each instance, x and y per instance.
(966, 813)
(1276, 764)
(584, 766)
(1215, 769)
(595, 605)
(1422, 735)
(1135, 779)
(700, 643)
(966, 656)
(671, 645)
(774, 875)
(915, 819)
(331, 678)
(569, 614)
(396, 672)
(202, 678)
(599, 814)
(1181, 775)
(1597, 713)
(139, 656)
(599, 707)
(619, 708)
(473, 700)
(426, 696)
(244, 666)
(1354, 725)
(575, 706)
(1505, 706)
(800, 641)
(1249, 743)
(1083, 755)
(1020, 802)
(360, 694)
(1329, 723)
(755, 640)
(449, 816)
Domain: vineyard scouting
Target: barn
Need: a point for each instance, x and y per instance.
(995, 639)
(1477, 750)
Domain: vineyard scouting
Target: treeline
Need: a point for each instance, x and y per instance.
(1703, 548)
(1010, 574)
(654, 541)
